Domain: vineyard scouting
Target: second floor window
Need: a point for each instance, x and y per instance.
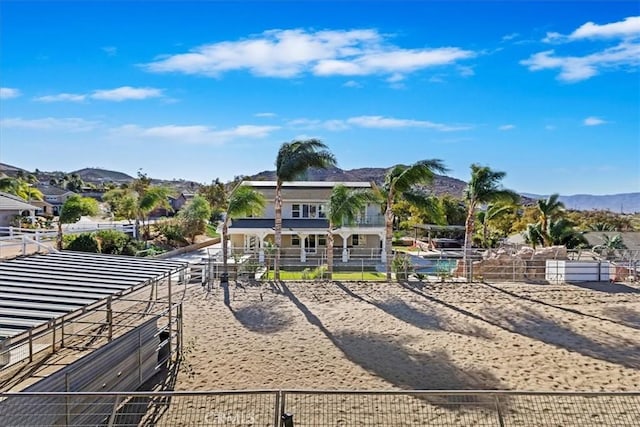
(307, 210)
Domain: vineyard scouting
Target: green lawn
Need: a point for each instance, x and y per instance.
(339, 275)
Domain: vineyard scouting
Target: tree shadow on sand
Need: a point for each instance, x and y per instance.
(388, 357)
(427, 317)
(532, 324)
(607, 347)
(262, 317)
(625, 316)
(554, 306)
(606, 287)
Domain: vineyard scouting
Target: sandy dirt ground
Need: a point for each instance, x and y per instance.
(366, 336)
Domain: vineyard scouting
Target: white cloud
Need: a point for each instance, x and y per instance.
(9, 92)
(630, 26)
(625, 54)
(265, 114)
(352, 83)
(577, 68)
(197, 134)
(593, 121)
(372, 122)
(71, 97)
(72, 124)
(507, 127)
(291, 53)
(381, 122)
(126, 92)
(511, 36)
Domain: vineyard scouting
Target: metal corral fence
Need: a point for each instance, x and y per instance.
(92, 327)
(322, 409)
(449, 266)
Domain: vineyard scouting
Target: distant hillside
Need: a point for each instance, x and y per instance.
(618, 203)
(442, 184)
(11, 170)
(102, 175)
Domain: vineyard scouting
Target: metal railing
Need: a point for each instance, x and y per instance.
(320, 408)
(94, 325)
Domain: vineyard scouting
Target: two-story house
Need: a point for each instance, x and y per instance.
(55, 196)
(305, 226)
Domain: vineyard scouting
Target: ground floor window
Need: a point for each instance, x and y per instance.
(358, 240)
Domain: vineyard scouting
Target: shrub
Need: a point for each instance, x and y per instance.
(84, 243)
(112, 241)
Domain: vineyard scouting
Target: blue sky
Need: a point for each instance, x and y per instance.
(548, 92)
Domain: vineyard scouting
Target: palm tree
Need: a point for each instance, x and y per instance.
(563, 232)
(242, 202)
(613, 242)
(293, 161)
(153, 198)
(484, 187)
(344, 206)
(533, 235)
(399, 182)
(494, 211)
(548, 209)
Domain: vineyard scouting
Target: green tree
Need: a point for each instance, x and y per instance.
(293, 161)
(493, 212)
(242, 202)
(216, 195)
(19, 187)
(563, 232)
(483, 188)
(549, 210)
(122, 203)
(454, 210)
(194, 216)
(152, 199)
(613, 242)
(400, 182)
(71, 211)
(344, 206)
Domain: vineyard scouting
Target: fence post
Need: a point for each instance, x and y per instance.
(109, 320)
(24, 244)
(276, 409)
(30, 346)
(112, 417)
(10, 231)
(499, 411)
(53, 334)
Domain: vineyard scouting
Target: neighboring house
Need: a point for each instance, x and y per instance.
(178, 202)
(12, 206)
(305, 227)
(631, 239)
(44, 208)
(55, 196)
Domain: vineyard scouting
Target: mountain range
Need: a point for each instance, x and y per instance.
(623, 203)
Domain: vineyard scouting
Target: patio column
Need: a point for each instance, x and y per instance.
(345, 251)
(261, 237)
(383, 251)
(303, 247)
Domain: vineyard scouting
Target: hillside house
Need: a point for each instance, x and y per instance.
(12, 206)
(55, 196)
(305, 226)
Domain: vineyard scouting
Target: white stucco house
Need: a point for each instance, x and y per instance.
(305, 226)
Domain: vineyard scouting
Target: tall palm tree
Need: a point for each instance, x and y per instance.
(563, 232)
(399, 182)
(344, 206)
(293, 161)
(484, 187)
(548, 209)
(242, 202)
(533, 235)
